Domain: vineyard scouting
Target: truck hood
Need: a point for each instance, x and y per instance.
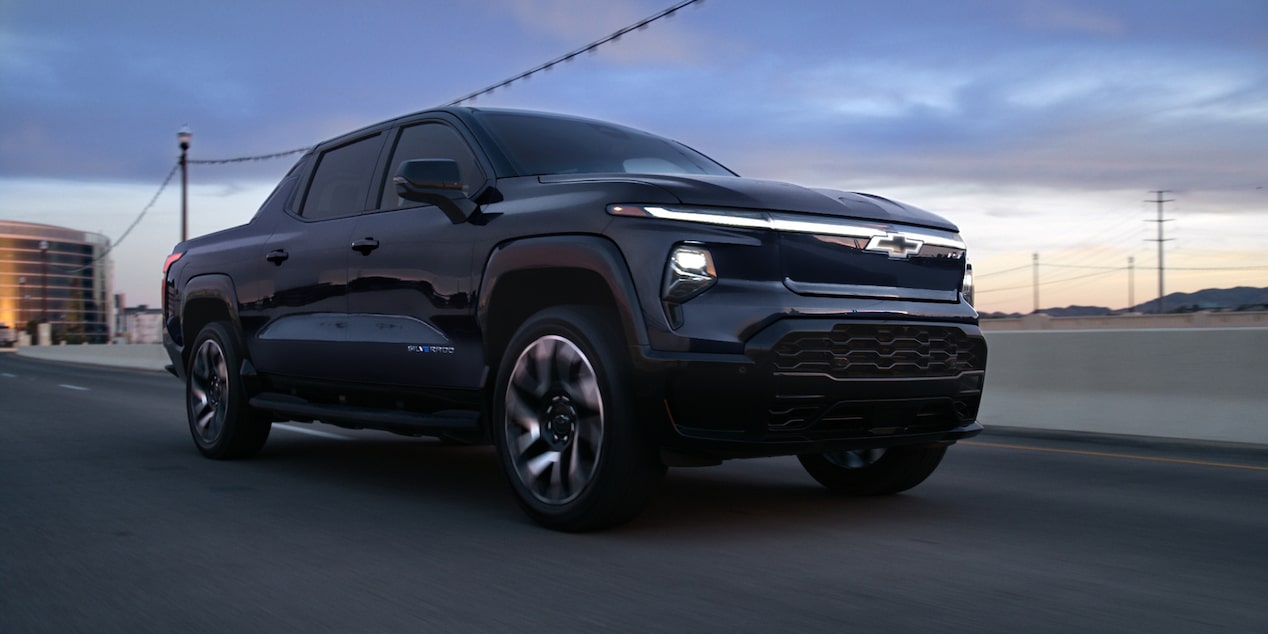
(752, 193)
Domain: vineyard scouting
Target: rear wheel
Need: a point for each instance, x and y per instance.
(223, 425)
(564, 425)
(873, 471)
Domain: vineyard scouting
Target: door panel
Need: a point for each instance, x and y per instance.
(305, 303)
(305, 300)
(410, 302)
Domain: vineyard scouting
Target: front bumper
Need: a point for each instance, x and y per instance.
(173, 350)
(808, 385)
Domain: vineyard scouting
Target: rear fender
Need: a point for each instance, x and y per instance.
(206, 298)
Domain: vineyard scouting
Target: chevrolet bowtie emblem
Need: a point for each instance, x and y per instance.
(898, 246)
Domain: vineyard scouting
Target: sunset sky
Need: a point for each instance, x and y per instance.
(1038, 126)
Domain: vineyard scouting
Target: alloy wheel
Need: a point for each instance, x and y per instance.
(208, 391)
(554, 419)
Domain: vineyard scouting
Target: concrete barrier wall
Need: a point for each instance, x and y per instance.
(1194, 383)
(140, 356)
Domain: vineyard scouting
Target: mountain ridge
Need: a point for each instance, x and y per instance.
(1238, 298)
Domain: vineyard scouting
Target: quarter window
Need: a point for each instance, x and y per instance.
(342, 180)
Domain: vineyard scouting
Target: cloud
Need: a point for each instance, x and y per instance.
(1017, 119)
(575, 23)
(28, 66)
(1087, 117)
(1060, 16)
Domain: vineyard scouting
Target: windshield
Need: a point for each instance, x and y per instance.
(537, 145)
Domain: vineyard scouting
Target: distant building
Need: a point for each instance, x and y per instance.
(68, 284)
(138, 324)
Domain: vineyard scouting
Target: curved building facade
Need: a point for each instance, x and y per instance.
(55, 275)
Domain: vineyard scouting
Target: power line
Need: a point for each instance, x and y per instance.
(1080, 266)
(167, 181)
(978, 276)
(110, 247)
(1049, 265)
(1122, 227)
(595, 45)
(1103, 271)
(641, 24)
(1083, 277)
(1050, 282)
(242, 159)
(1104, 250)
(1219, 268)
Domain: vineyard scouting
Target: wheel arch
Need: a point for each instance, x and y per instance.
(207, 298)
(525, 276)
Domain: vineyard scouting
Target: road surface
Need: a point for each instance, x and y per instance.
(113, 523)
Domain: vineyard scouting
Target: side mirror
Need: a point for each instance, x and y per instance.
(435, 182)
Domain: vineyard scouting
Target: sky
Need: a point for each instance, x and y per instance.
(1038, 126)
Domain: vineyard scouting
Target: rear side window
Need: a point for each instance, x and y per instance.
(430, 141)
(342, 180)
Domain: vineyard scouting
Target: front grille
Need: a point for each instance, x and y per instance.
(866, 351)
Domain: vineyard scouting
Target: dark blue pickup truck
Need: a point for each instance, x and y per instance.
(598, 302)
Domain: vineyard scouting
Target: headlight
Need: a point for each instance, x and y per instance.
(968, 284)
(721, 217)
(689, 272)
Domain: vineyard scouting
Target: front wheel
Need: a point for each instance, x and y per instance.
(224, 426)
(564, 424)
(873, 471)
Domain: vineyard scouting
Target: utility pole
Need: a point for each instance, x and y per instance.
(183, 138)
(1035, 259)
(1131, 282)
(1161, 266)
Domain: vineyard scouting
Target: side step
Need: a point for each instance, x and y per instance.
(390, 420)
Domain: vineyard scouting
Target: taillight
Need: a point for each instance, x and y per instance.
(167, 264)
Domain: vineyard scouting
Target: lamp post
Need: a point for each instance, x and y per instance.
(44, 282)
(184, 137)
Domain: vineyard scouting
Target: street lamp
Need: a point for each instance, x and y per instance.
(184, 137)
(44, 282)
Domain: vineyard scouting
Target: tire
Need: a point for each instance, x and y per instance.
(224, 427)
(873, 471)
(563, 423)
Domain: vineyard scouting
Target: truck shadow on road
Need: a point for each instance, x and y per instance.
(427, 478)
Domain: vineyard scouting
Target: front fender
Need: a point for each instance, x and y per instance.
(579, 252)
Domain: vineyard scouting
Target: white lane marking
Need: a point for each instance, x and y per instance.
(310, 432)
(73, 387)
(8, 376)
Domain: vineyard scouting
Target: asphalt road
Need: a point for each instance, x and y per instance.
(112, 522)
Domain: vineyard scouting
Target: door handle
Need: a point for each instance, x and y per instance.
(365, 246)
(277, 256)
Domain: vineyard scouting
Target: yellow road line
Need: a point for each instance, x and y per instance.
(1104, 454)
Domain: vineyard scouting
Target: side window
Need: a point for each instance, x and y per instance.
(430, 141)
(342, 180)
